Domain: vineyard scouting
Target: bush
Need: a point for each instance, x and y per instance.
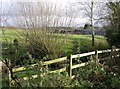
(16, 52)
(44, 44)
(95, 76)
(113, 37)
(46, 80)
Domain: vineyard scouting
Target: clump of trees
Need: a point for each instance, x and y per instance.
(113, 28)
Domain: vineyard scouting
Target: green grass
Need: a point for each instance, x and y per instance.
(84, 43)
(10, 35)
(74, 43)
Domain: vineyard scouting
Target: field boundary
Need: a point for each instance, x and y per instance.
(70, 60)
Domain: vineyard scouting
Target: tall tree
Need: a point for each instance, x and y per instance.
(92, 11)
(87, 8)
(91, 21)
(113, 28)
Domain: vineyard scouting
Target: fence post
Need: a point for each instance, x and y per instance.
(0, 74)
(96, 56)
(46, 66)
(113, 52)
(9, 76)
(70, 66)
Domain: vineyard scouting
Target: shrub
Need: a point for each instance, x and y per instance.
(45, 44)
(95, 76)
(46, 80)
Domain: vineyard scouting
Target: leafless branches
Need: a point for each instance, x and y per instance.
(40, 21)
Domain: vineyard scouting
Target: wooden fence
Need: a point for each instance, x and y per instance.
(70, 68)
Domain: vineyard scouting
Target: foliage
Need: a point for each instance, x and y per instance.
(16, 53)
(91, 76)
(95, 76)
(113, 31)
(87, 26)
(56, 80)
(44, 43)
(44, 79)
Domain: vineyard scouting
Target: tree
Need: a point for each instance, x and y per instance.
(92, 11)
(39, 21)
(91, 21)
(88, 11)
(113, 28)
(86, 26)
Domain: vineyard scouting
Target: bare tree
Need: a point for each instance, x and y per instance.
(40, 20)
(92, 11)
(91, 20)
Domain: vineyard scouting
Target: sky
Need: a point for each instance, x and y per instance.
(79, 20)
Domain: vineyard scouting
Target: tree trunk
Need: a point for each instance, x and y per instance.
(92, 23)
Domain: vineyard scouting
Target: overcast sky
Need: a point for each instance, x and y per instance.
(79, 20)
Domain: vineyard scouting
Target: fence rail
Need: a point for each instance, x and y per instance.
(55, 61)
(70, 58)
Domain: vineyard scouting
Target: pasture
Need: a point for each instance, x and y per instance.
(74, 41)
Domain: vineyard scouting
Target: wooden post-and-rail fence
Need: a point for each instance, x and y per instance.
(70, 58)
(71, 66)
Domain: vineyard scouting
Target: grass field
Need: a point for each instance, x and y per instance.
(75, 41)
